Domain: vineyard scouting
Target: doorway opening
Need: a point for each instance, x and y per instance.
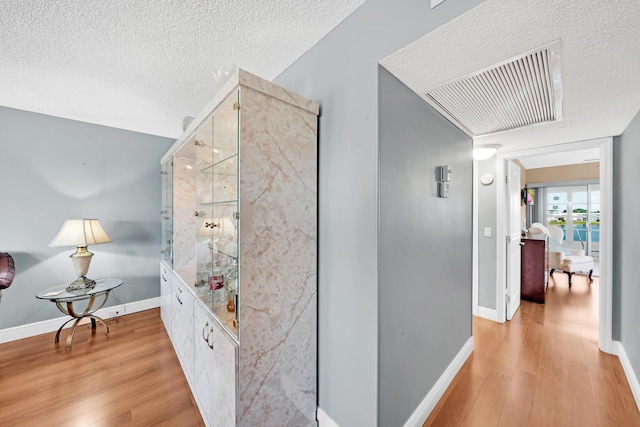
(605, 148)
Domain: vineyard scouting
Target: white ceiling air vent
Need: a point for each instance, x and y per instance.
(518, 92)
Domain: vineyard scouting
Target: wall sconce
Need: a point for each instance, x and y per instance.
(483, 152)
(443, 176)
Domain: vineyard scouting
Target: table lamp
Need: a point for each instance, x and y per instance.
(80, 233)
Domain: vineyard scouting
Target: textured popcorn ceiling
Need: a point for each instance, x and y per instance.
(144, 65)
(600, 61)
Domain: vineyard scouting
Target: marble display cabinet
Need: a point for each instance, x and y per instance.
(244, 234)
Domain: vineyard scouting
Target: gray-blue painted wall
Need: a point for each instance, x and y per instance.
(425, 248)
(626, 268)
(54, 169)
(487, 251)
(341, 73)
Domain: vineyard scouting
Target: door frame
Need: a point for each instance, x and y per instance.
(513, 243)
(605, 145)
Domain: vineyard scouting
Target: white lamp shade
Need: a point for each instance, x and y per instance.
(80, 232)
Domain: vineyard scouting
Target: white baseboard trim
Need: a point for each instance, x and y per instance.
(628, 371)
(45, 326)
(487, 313)
(325, 420)
(430, 401)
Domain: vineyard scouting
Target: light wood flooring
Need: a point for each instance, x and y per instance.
(543, 368)
(131, 377)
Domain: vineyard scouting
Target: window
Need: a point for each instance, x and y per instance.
(576, 210)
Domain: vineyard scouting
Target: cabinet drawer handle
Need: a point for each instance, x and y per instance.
(163, 275)
(205, 327)
(178, 295)
(210, 344)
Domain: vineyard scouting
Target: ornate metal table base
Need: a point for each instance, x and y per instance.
(73, 329)
(77, 317)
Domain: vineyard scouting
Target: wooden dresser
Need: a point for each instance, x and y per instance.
(533, 273)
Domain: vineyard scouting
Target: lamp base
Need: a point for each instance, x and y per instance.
(81, 284)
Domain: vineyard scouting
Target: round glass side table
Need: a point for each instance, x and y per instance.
(65, 300)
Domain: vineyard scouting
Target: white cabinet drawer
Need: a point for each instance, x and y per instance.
(182, 327)
(215, 370)
(165, 296)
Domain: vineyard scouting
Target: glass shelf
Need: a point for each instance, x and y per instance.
(221, 202)
(209, 167)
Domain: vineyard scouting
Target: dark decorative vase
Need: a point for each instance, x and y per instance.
(7, 270)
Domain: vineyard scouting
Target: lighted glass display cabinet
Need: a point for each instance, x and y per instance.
(244, 204)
